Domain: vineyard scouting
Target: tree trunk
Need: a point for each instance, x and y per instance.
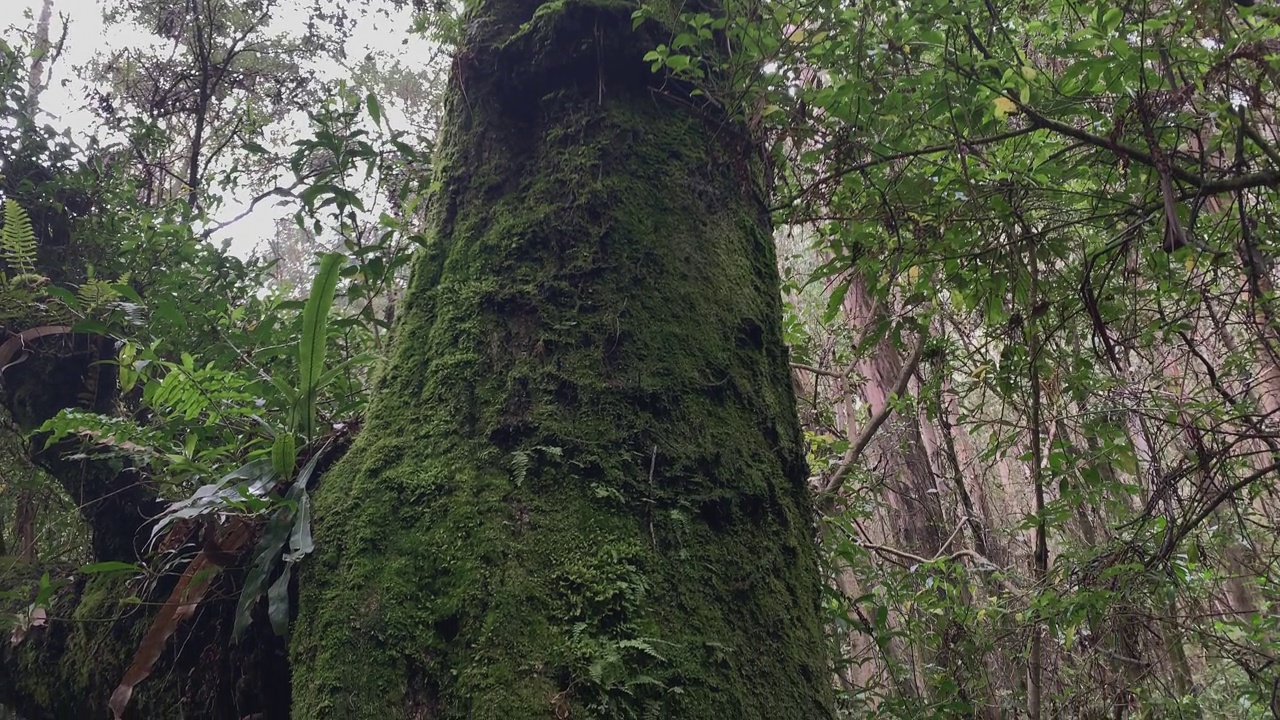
(24, 525)
(581, 490)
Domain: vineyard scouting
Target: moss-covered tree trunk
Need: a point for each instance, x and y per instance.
(581, 490)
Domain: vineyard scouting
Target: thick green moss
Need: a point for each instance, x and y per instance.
(580, 491)
(69, 667)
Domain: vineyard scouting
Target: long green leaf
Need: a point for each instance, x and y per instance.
(333, 372)
(315, 326)
(278, 603)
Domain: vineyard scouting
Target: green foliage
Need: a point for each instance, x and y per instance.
(1067, 199)
(207, 408)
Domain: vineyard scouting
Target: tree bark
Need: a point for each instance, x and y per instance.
(581, 488)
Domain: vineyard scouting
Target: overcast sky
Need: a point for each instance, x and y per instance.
(87, 35)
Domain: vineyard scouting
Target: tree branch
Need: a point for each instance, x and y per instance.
(286, 192)
(1185, 529)
(818, 370)
(1265, 178)
(905, 155)
(868, 432)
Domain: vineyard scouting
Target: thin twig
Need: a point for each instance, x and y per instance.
(818, 370)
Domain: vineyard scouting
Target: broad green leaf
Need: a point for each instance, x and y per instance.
(91, 327)
(300, 543)
(64, 295)
(835, 302)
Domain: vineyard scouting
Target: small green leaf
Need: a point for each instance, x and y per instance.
(679, 62)
(1003, 106)
(1111, 20)
(835, 302)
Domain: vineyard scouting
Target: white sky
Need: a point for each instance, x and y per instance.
(87, 35)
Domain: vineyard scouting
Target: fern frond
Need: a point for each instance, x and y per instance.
(18, 240)
(93, 294)
(188, 392)
(28, 279)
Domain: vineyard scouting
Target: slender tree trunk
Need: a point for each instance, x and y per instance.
(920, 524)
(974, 517)
(203, 48)
(581, 489)
(1040, 560)
(35, 74)
(913, 519)
(24, 525)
